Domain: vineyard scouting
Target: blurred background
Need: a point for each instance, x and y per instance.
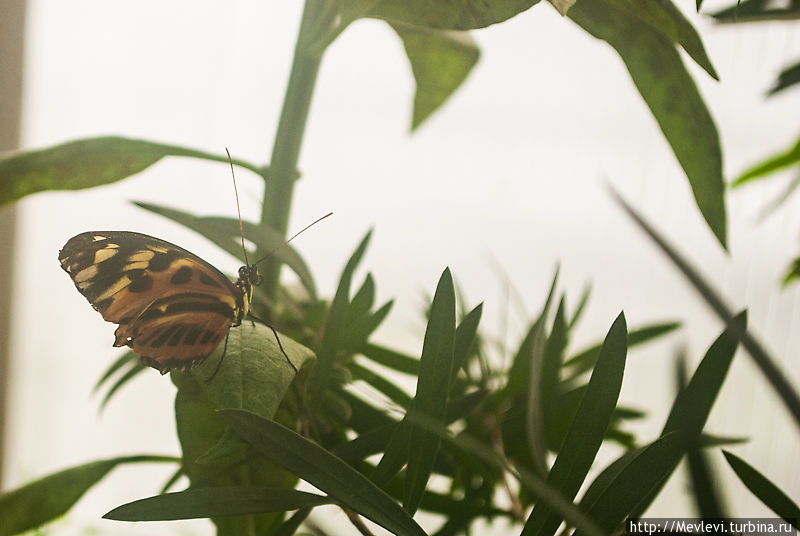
(503, 184)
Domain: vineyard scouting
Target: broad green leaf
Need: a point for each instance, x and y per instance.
(440, 61)
(433, 389)
(761, 357)
(672, 96)
(757, 11)
(585, 360)
(587, 430)
(254, 374)
(225, 233)
(323, 470)
(87, 163)
(644, 471)
(214, 502)
(451, 15)
(782, 160)
(788, 77)
(664, 17)
(41, 501)
(767, 492)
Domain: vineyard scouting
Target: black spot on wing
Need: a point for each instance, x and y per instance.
(192, 335)
(141, 284)
(204, 279)
(161, 261)
(176, 337)
(182, 276)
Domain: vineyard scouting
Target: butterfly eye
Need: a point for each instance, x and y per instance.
(243, 272)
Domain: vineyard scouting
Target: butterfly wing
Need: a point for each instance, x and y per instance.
(172, 307)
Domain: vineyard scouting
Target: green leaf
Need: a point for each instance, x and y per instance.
(334, 333)
(440, 61)
(452, 15)
(41, 501)
(87, 163)
(644, 471)
(672, 96)
(214, 502)
(465, 336)
(758, 11)
(760, 356)
(391, 358)
(585, 360)
(323, 470)
(788, 77)
(587, 430)
(382, 384)
(433, 389)
(793, 273)
(785, 159)
(767, 492)
(225, 233)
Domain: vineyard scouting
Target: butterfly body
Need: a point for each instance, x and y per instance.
(172, 307)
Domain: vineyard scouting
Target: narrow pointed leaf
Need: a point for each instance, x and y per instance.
(587, 430)
(465, 335)
(767, 492)
(86, 163)
(758, 11)
(214, 502)
(323, 470)
(644, 472)
(671, 94)
(788, 77)
(785, 159)
(433, 389)
(760, 356)
(391, 358)
(41, 501)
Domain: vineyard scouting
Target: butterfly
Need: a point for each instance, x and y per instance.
(173, 308)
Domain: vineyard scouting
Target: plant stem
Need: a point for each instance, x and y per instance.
(282, 172)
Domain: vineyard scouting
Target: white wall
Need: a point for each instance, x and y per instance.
(511, 172)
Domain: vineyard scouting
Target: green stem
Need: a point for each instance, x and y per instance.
(282, 172)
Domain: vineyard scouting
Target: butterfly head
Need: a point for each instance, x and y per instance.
(250, 275)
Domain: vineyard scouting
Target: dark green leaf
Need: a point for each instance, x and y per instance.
(86, 163)
(585, 360)
(440, 61)
(793, 273)
(790, 157)
(391, 359)
(225, 233)
(757, 11)
(334, 329)
(645, 470)
(465, 336)
(672, 96)
(433, 388)
(587, 430)
(214, 502)
(323, 470)
(453, 15)
(788, 77)
(767, 492)
(41, 501)
(760, 356)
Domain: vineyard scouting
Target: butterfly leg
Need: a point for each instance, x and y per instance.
(277, 339)
(219, 363)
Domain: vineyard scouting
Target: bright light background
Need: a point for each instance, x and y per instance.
(510, 173)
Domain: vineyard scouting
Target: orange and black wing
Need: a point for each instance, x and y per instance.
(172, 307)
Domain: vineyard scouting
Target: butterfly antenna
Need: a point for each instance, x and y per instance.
(298, 233)
(238, 210)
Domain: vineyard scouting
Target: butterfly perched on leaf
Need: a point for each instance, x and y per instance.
(173, 308)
